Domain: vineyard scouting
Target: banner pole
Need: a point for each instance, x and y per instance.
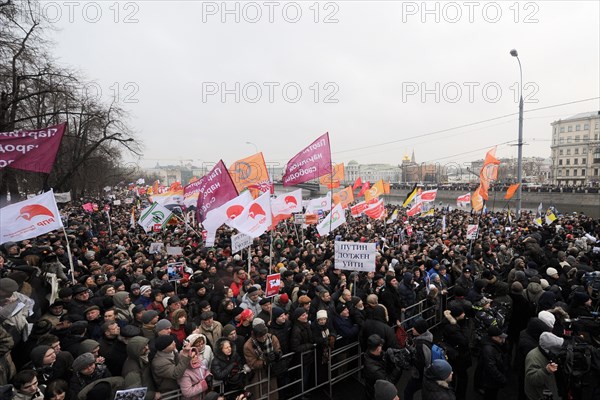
(70, 255)
(249, 260)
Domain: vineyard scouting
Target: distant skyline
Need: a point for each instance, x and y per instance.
(381, 77)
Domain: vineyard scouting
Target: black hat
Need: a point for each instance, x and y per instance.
(467, 269)
(260, 330)
(173, 300)
(495, 331)
(77, 289)
(277, 311)
(129, 331)
(65, 292)
(341, 307)
(252, 289)
(203, 304)
(264, 301)
(138, 309)
(162, 342)
(420, 326)
(456, 310)
(374, 341)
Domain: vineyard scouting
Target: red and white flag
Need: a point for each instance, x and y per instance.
(428, 195)
(285, 204)
(228, 211)
(255, 219)
(376, 210)
(464, 200)
(359, 208)
(416, 209)
(29, 218)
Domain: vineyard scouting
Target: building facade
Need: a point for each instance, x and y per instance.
(576, 150)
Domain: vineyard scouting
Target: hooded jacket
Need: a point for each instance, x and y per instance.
(228, 369)
(422, 344)
(167, 368)
(537, 378)
(115, 382)
(123, 310)
(136, 369)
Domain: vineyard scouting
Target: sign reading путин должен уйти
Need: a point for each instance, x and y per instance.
(355, 256)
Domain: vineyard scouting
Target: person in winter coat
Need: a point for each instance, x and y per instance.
(105, 388)
(423, 340)
(520, 314)
(86, 371)
(123, 307)
(196, 379)
(455, 334)
(136, 369)
(390, 298)
(492, 368)
(301, 340)
(376, 367)
(7, 367)
(260, 351)
(281, 327)
(344, 326)
(209, 327)
(24, 387)
(528, 340)
(228, 367)
(375, 324)
(436, 382)
(168, 365)
(205, 352)
(406, 290)
(540, 368)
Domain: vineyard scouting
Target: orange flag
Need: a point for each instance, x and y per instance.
(510, 192)
(155, 187)
(386, 188)
(251, 173)
(488, 173)
(375, 191)
(334, 179)
(477, 200)
(346, 197)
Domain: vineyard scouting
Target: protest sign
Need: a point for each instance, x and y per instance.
(273, 285)
(472, 232)
(175, 271)
(354, 256)
(240, 242)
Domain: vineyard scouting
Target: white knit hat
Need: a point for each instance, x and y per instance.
(547, 317)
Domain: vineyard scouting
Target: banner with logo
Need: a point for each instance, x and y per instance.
(284, 205)
(29, 218)
(334, 179)
(255, 219)
(230, 210)
(154, 215)
(312, 162)
(240, 242)
(344, 197)
(335, 218)
(320, 203)
(251, 173)
(33, 151)
(354, 256)
(273, 285)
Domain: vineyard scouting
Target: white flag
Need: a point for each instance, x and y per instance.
(30, 218)
(321, 203)
(335, 218)
(230, 210)
(256, 217)
(287, 203)
(153, 215)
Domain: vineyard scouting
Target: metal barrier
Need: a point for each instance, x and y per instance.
(344, 362)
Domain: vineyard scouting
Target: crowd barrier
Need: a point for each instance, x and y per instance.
(344, 362)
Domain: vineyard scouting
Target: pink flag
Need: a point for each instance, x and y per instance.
(312, 162)
(33, 151)
(255, 219)
(216, 189)
(88, 207)
(190, 193)
(416, 209)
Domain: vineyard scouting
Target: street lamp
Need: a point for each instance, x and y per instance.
(255, 147)
(514, 53)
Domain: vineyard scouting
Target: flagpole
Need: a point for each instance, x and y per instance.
(70, 255)
(109, 224)
(270, 252)
(331, 191)
(175, 215)
(249, 260)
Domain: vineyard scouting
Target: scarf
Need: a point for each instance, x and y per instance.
(262, 349)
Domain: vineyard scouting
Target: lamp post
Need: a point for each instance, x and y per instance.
(255, 147)
(514, 53)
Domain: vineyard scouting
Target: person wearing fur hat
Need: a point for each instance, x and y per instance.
(436, 382)
(261, 351)
(540, 368)
(456, 335)
(390, 298)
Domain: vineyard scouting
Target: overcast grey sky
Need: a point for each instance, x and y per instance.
(356, 69)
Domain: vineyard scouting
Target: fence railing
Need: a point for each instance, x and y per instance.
(346, 361)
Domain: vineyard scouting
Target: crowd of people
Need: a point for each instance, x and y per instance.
(510, 301)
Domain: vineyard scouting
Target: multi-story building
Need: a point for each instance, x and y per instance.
(576, 150)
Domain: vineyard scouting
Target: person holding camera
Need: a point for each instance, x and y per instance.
(540, 368)
(377, 366)
(262, 351)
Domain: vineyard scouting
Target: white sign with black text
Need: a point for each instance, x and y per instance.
(240, 242)
(355, 256)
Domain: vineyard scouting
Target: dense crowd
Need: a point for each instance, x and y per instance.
(511, 302)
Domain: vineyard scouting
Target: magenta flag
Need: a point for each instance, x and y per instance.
(216, 188)
(312, 162)
(33, 151)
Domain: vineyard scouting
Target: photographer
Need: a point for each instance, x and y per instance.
(540, 368)
(376, 366)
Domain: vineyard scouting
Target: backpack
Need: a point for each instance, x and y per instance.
(438, 353)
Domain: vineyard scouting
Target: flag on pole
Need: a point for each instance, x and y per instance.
(366, 186)
(488, 173)
(320, 203)
(229, 210)
(375, 191)
(462, 201)
(358, 209)
(285, 204)
(216, 189)
(310, 163)
(334, 179)
(550, 216)
(538, 215)
(29, 218)
(510, 192)
(251, 173)
(345, 197)
(256, 217)
(335, 218)
(393, 217)
(477, 200)
(414, 210)
(357, 183)
(376, 210)
(386, 188)
(428, 196)
(410, 196)
(154, 215)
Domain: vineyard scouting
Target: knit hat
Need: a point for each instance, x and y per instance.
(516, 287)
(420, 326)
(257, 321)
(284, 298)
(495, 331)
(135, 286)
(37, 355)
(129, 331)
(550, 343)
(83, 361)
(277, 312)
(551, 271)
(544, 283)
(148, 316)
(260, 330)
(321, 314)
(385, 390)
(227, 329)
(162, 342)
(441, 369)
(206, 315)
(580, 297)
(264, 301)
(341, 307)
(145, 288)
(163, 324)
(547, 317)
(298, 313)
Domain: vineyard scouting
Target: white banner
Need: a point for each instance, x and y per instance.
(62, 197)
(156, 248)
(355, 256)
(240, 242)
(154, 215)
(174, 250)
(29, 218)
(335, 218)
(472, 232)
(116, 202)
